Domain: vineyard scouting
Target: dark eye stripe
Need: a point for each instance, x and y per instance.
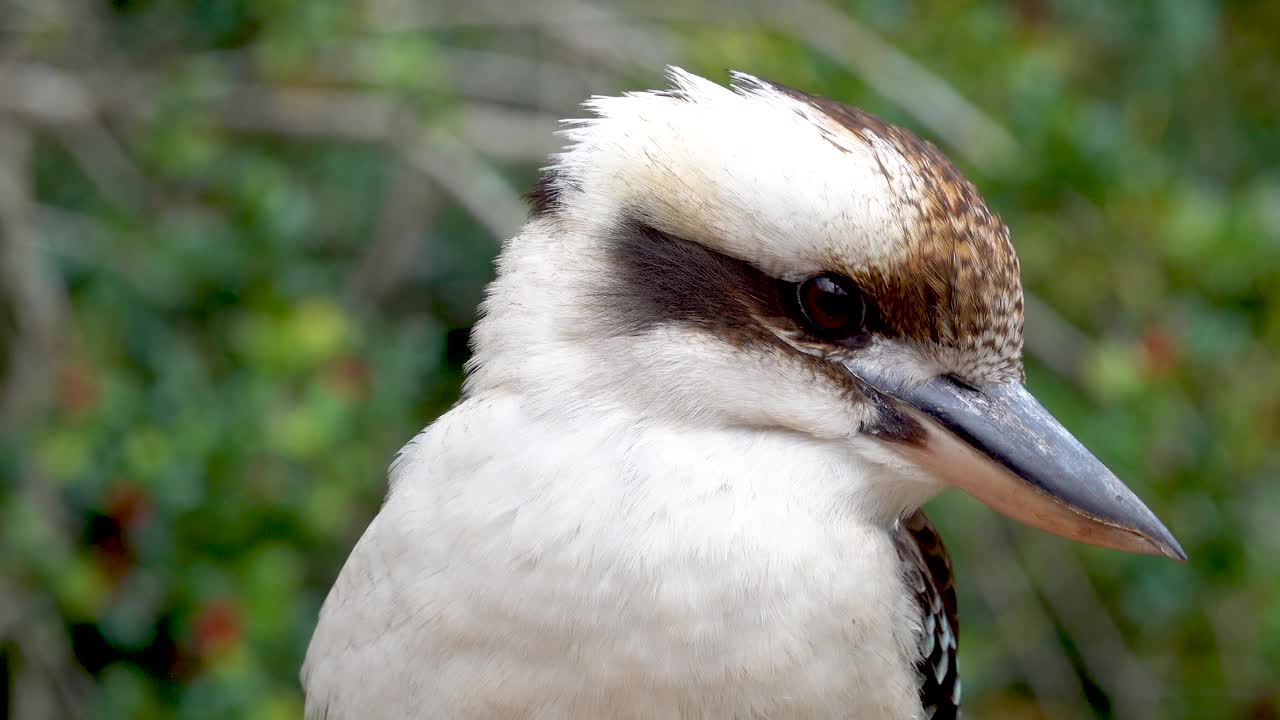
(659, 279)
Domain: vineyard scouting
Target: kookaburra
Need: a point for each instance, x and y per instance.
(745, 334)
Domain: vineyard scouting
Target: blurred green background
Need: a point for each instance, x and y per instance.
(241, 244)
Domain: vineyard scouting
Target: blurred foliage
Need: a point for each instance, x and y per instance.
(258, 230)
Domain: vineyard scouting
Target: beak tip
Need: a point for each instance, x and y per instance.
(1164, 542)
(1174, 551)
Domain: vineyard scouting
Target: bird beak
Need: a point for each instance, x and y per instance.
(1000, 445)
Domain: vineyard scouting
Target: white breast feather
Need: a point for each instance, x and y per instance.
(525, 568)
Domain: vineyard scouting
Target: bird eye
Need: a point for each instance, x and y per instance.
(832, 306)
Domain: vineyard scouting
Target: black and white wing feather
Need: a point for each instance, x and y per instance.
(927, 569)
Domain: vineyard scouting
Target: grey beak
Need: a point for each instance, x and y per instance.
(1049, 479)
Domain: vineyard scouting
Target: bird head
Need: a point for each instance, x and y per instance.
(756, 258)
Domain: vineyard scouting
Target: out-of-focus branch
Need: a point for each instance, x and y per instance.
(434, 151)
(1025, 628)
(45, 95)
(895, 75)
(507, 133)
(31, 300)
(377, 118)
(73, 110)
(1133, 691)
(443, 156)
(616, 35)
(521, 81)
(469, 178)
(486, 75)
(309, 113)
(387, 259)
(928, 98)
(107, 164)
(49, 682)
(400, 16)
(624, 44)
(440, 155)
(1061, 346)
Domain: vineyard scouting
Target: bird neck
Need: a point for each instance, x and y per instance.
(596, 454)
